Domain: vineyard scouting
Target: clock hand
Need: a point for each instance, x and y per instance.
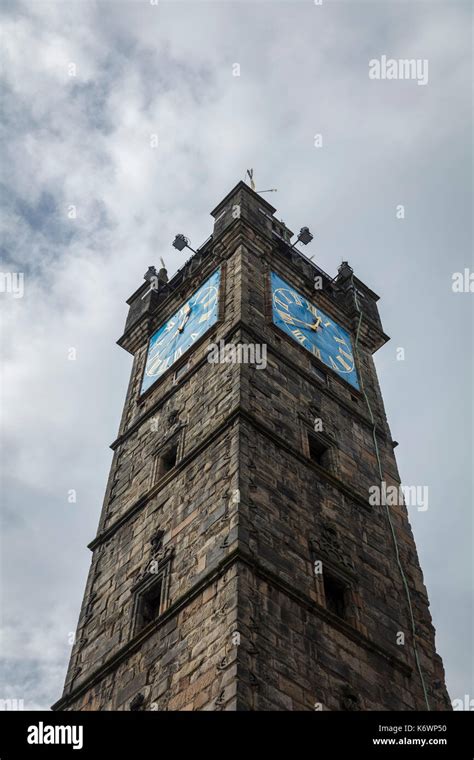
(313, 326)
(187, 311)
(188, 314)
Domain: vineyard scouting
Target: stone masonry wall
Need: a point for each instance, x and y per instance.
(199, 526)
(292, 511)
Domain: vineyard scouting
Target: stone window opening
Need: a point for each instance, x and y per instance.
(319, 374)
(180, 372)
(336, 580)
(138, 703)
(335, 595)
(166, 461)
(151, 588)
(318, 450)
(167, 456)
(150, 604)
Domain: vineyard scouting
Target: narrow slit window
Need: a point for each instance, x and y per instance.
(318, 374)
(318, 451)
(180, 372)
(169, 458)
(166, 461)
(335, 596)
(149, 605)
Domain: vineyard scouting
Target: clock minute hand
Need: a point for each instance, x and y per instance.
(313, 326)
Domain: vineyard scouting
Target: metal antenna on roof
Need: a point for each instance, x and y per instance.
(252, 184)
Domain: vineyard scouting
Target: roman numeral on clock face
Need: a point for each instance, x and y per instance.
(297, 299)
(301, 337)
(342, 355)
(207, 297)
(347, 367)
(278, 299)
(157, 366)
(286, 317)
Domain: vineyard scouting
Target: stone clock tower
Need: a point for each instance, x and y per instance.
(241, 562)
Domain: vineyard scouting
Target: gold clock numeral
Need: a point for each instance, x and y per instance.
(177, 353)
(194, 336)
(284, 305)
(205, 316)
(301, 337)
(153, 365)
(343, 354)
(313, 310)
(157, 366)
(348, 356)
(297, 299)
(207, 297)
(212, 295)
(286, 317)
(315, 350)
(346, 366)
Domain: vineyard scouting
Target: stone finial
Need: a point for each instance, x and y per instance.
(150, 274)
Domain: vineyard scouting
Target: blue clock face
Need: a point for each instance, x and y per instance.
(313, 329)
(182, 330)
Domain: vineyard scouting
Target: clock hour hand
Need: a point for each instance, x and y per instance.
(188, 313)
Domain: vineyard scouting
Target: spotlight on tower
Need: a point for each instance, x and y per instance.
(305, 236)
(181, 242)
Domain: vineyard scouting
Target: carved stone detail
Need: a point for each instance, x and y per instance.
(328, 545)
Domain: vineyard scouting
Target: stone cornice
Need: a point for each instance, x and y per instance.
(234, 557)
(225, 244)
(238, 413)
(241, 325)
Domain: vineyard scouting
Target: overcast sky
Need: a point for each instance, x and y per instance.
(86, 86)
